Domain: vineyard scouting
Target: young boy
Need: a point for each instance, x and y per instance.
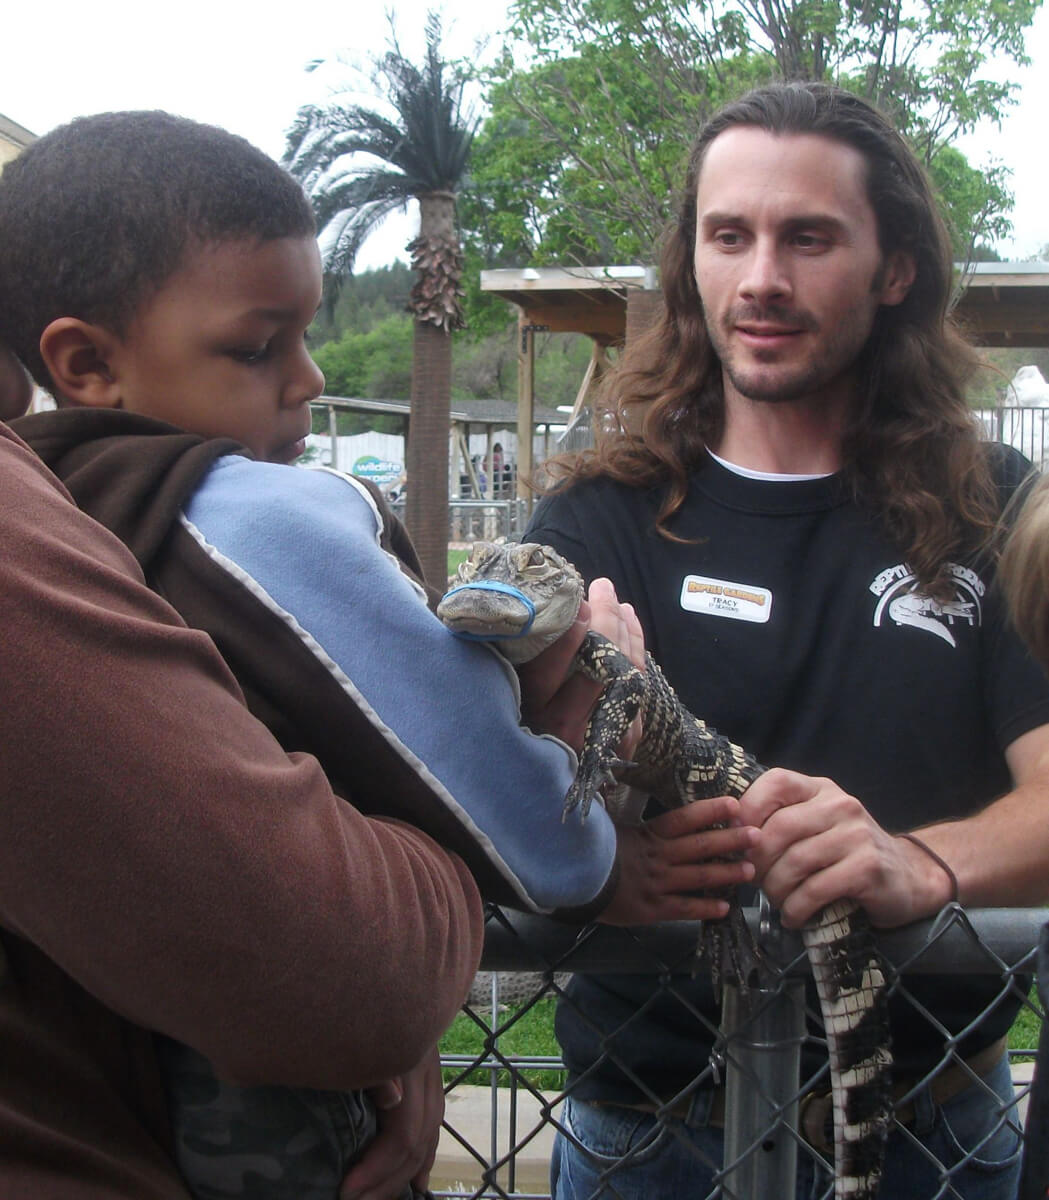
(159, 277)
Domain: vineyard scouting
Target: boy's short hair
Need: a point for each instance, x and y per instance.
(98, 214)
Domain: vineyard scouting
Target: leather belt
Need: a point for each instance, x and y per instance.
(815, 1108)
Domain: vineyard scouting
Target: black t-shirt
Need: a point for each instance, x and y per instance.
(788, 621)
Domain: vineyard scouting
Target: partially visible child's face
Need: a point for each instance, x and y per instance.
(220, 349)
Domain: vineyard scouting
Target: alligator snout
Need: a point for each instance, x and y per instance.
(473, 609)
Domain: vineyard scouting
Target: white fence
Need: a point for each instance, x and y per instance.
(1027, 429)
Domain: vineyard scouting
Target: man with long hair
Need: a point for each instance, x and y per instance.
(789, 487)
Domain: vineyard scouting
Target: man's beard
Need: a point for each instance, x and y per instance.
(787, 383)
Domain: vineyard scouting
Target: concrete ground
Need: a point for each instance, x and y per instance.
(469, 1112)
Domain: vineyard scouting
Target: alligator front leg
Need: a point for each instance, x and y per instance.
(624, 690)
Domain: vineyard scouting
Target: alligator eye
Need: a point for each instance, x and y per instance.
(523, 556)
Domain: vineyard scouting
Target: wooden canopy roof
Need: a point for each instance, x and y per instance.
(1002, 304)
(590, 300)
(1006, 304)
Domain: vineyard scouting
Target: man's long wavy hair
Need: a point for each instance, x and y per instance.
(912, 450)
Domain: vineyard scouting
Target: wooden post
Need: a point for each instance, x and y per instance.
(525, 403)
(455, 450)
(333, 436)
(644, 306)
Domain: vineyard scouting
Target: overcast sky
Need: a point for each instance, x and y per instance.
(243, 65)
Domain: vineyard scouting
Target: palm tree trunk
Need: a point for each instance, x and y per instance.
(437, 258)
(426, 460)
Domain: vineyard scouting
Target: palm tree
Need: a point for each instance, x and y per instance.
(420, 152)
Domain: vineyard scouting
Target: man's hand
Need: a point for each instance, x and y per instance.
(559, 701)
(663, 860)
(818, 844)
(409, 1112)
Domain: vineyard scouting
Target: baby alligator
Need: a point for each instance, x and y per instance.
(522, 597)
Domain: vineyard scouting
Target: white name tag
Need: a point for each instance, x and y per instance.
(720, 598)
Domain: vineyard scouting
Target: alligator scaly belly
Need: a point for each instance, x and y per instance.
(681, 759)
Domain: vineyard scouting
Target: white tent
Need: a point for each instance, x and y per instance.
(1024, 416)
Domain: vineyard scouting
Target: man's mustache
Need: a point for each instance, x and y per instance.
(771, 314)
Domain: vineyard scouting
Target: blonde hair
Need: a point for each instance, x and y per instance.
(1024, 571)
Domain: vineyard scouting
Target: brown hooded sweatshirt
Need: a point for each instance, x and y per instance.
(164, 864)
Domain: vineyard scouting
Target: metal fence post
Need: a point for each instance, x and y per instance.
(333, 436)
(763, 1032)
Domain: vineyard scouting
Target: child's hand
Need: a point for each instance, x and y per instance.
(559, 701)
(663, 862)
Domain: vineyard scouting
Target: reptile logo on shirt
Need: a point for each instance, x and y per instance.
(900, 603)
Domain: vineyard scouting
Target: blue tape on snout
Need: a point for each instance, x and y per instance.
(492, 585)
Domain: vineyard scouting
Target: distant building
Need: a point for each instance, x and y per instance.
(13, 139)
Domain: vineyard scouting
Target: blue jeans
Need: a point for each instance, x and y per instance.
(682, 1157)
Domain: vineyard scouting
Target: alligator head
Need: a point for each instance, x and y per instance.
(521, 595)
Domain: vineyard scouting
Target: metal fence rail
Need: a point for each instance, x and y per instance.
(497, 1139)
(1026, 428)
(475, 520)
(481, 520)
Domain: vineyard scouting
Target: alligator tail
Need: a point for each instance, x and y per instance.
(851, 985)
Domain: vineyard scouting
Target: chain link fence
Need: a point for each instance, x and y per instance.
(503, 1108)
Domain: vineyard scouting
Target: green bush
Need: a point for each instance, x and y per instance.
(1027, 1027)
(525, 1032)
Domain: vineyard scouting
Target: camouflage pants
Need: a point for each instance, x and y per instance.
(259, 1143)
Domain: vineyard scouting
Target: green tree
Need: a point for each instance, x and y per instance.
(582, 152)
(363, 300)
(975, 203)
(580, 156)
(486, 369)
(416, 149)
(374, 363)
